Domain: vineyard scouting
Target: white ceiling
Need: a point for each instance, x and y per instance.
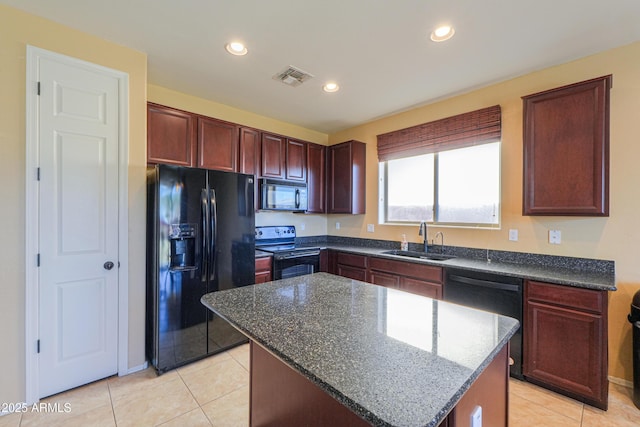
(378, 51)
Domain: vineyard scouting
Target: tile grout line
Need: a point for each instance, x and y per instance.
(194, 397)
(113, 410)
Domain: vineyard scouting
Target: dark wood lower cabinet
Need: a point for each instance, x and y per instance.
(565, 328)
(282, 397)
(351, 265)
(565, 333)
(355, 273)
(384, 279)
(420, 279)
(263, 269)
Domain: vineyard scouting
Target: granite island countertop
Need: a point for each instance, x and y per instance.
(577, 272)
(393, 358)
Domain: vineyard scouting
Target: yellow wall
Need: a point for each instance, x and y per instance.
(18, 29)
(614, 238)
(306, 225)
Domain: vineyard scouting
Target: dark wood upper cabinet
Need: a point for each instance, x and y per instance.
(296, 160)
(273, 156)
(346, 178)
(217, 145)
(316, 173)
(171, 136)
(566, 150)
(249, 151)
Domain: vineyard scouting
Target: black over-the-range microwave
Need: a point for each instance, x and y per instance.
(277, 195)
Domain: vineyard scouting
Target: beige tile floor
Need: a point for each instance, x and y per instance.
(215, 392)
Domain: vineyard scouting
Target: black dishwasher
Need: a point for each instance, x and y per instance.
(489, 292)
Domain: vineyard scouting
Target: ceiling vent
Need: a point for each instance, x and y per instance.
(292, 76)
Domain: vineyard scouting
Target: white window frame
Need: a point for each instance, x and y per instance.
(382, 199)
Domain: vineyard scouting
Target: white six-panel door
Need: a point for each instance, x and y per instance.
(78, 225)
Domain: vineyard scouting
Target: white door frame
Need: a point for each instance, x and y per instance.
(32, 212)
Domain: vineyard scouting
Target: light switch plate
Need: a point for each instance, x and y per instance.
(513, 235)
(555, 237)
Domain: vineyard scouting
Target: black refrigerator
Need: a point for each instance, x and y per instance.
(200, 239)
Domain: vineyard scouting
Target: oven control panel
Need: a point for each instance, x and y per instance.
(280, 233)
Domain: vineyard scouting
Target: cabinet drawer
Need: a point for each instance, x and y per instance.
(354, 273)
(384, 279)
(352, 259)
(263, 264)
(424, 272)
(578, 298)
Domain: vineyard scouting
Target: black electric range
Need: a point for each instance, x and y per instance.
(289, 260)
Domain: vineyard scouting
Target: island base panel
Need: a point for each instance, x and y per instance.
(490, 391)
(282, 397)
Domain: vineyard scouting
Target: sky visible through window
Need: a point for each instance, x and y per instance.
(468, 184)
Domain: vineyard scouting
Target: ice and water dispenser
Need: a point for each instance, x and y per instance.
(183, 247)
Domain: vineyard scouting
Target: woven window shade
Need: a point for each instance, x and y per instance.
(464, 130)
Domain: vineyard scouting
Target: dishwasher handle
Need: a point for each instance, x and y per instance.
(485, 283)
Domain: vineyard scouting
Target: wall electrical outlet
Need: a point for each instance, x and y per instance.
(476, 417)
(302, 226)
(513, 235)
(555, 237)
(370, 228)
(337, 226)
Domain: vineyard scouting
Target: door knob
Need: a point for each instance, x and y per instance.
(108, 265)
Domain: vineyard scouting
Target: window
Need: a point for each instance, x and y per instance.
(455, 187)
(445, 172)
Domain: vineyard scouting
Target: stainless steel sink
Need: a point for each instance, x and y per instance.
(419, 255)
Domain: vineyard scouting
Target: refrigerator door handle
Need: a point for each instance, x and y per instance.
(204, 203)
(214, 234)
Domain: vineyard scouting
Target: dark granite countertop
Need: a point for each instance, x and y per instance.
(577, 272)
(394, 358)
(262, 254)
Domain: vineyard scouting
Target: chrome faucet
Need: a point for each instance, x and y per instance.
(422, 231)
(441, 234)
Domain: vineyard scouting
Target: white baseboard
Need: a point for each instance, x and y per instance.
(622, 382)
(134, 369)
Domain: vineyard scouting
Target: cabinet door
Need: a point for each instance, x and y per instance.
(384, 279)
(316, 159)
(273, 156)
(565, 340)
(217, 145)
(420, 287)
(249, 158)
(263, 276)
(296, 160)
(340, 184)
(346, 178)
(249, 151)
(566, 150)
(171, 136)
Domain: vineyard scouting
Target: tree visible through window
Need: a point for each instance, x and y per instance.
(455, 187)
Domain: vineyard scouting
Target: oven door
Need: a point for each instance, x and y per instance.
(294, 264)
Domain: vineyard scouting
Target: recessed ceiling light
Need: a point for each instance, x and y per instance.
(331, 87)
(236, 48)
(442, 33)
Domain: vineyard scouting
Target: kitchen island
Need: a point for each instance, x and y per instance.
(330, 350)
